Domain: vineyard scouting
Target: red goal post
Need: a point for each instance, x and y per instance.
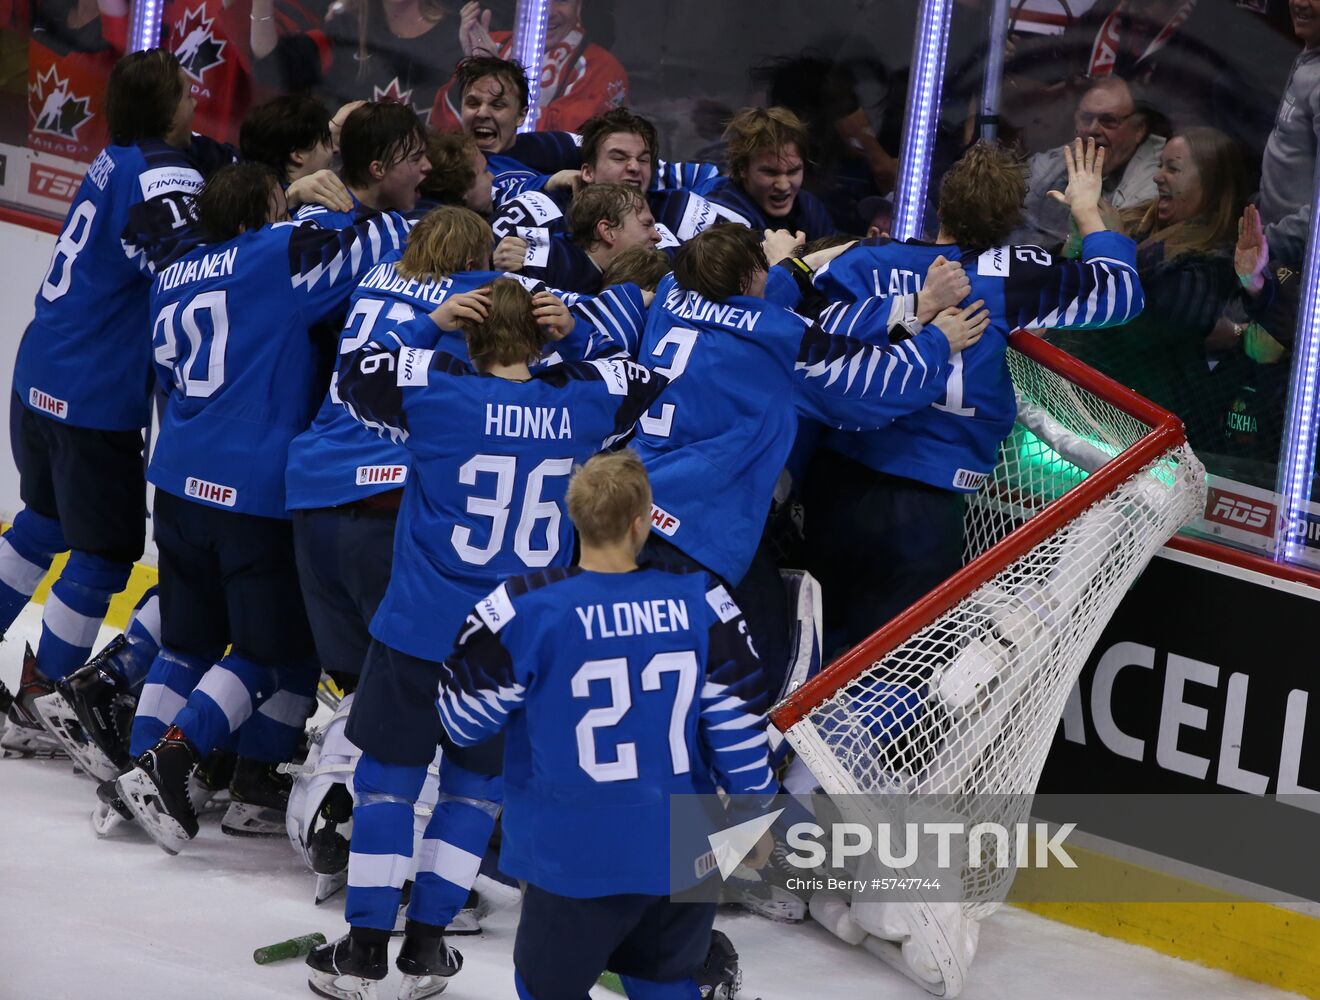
(959, 695)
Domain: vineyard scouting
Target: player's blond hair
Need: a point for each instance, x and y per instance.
(607, 494)
(762, 130)
(510, 333)
(449, 239)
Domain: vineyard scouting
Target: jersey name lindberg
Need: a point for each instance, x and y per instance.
(633, 618)
(384, 278)
(541, 422)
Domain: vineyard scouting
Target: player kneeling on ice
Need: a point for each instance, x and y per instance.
(604, 724)
(490, 452)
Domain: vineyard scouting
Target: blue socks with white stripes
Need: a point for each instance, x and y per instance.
(381, 854)
(75, 610)
(26, 551)
(169, 683)
(456, 837)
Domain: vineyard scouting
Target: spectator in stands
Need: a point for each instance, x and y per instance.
(1109, 114)
(377, 50)
(1288, 167)
(767, 159)
(1185, 244)
(578, 78)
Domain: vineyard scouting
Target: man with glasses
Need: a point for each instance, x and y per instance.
(1109, 114)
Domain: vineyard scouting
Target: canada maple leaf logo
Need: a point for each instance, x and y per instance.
(393, 91)
(55, 110)
(195, 44)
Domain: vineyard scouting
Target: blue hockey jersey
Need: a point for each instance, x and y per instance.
(954, 443)
(232, 337)
(809, 214)
(337, 461)
(679, 214)
(86, 357)
(490, 462)
(741, 370)
(618, 690)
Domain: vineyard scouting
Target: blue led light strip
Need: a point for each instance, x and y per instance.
(923, 112)
(1297, 463)
(529, 53)
(144, 29)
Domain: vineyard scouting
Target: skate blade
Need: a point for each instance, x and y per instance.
(105, 820)
(330, 885)
(24, 741)
(245, 820)
(420, 987)
(62, 721)
(140, 794)
(338, 987)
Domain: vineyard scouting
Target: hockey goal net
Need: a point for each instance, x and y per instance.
(958, 698)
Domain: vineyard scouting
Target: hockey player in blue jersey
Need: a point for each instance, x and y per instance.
(232, 340)
(604, 220)
(491, 453)
(382, 150)
(743, 366)
(83, 375)
(617, 147)
(885, 507)
(663, 663)
(767, 150)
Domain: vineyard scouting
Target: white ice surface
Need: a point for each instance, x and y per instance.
(117, 919)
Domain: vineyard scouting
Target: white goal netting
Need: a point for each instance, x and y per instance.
(958, 698)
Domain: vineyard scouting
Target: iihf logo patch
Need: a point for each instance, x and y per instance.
(54, 110)
(195, 44)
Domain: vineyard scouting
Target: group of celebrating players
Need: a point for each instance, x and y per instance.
(499, 433)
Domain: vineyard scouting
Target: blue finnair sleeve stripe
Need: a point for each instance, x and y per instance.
(478, 689)
(852, 385)
(876, 315)
(1102, 289)
(734, 700)
(618, 315)
(373, 380)
(325, 265)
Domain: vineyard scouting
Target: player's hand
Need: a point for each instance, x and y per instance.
(946, 285)
(474, 31)
(1251, 256)
(1086, 166)
(565, 180)
(337, 121)
(457, 311)
(321, 188)
(552, 315)
(963, 327)
(510, 254)
(819, 258)
(780, 244)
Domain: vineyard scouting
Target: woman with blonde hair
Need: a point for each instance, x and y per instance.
(1185, 239)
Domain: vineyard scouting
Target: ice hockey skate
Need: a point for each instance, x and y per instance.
(427, 963)
(349, 968)
(765, 892)
(720, 977)
(24, 734)
(259, 796)
(157, 791)
(91, 712)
